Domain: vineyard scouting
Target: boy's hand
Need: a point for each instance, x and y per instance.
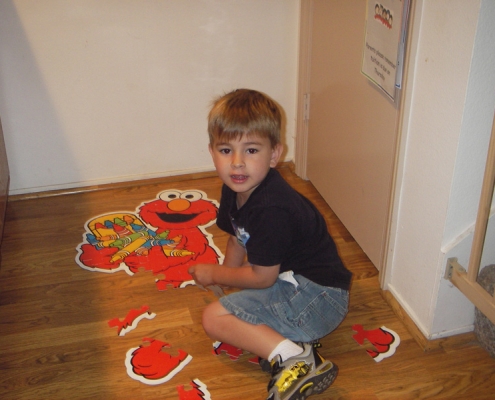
(202, 274)
(245, 277)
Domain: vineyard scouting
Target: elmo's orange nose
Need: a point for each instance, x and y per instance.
(179, 205)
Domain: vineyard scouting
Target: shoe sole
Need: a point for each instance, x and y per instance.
(322, 378)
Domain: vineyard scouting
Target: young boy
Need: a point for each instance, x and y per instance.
(295, 285)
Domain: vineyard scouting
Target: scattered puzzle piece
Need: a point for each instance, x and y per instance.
(198, 391)
(217, 290)
(131, 320)
(149, 364)
(384, 340)
(233, 352)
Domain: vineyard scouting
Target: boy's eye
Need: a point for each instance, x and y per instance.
(224, 151)
(252, 151)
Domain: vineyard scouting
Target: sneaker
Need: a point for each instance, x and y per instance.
(301, 376)
(266, 366)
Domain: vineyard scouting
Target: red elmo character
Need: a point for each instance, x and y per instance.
(167, 238)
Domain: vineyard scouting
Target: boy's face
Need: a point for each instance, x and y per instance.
(242, 164)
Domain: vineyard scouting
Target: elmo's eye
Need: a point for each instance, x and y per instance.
(191, 195)
(169, 195)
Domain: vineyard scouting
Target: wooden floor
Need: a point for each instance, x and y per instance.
(55, 342)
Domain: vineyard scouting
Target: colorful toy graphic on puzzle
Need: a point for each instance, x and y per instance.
(149, 364)
(164, 236)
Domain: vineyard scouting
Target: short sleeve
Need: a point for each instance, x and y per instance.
(223, 216)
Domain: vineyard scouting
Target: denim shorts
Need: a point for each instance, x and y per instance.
(301, 314)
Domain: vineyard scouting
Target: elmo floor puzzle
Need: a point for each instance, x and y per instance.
(164, 236)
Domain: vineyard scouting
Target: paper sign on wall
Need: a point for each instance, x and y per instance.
(383, 53)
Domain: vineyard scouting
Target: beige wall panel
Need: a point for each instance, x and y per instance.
(352, 126)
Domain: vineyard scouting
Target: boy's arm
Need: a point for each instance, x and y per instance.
(247, 276)
(243, 275)
(235, 272)
(234, 253)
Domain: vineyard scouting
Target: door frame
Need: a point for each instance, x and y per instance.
(303, 87)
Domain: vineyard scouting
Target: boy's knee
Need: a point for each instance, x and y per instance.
(210, 313)
(208, 320)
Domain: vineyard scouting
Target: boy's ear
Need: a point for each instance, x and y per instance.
(210, 149)
(276, 154)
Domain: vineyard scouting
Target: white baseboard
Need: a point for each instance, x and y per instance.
(106, 181)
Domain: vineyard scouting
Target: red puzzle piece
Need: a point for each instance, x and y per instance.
(233, 352)
(149, 364)
(131, 320)
(198, 391)
(383, 339)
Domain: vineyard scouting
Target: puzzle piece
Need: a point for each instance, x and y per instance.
(151, 365)
(198, 391)
(131, 320)
(233, 352)
(384, 340)
(217, 290)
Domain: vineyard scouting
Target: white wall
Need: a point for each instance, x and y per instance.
(452, 309)
(99, 91)
(450, 100)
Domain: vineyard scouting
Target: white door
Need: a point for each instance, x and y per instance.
(352, 129)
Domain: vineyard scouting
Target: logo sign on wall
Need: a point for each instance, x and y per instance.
(384, 42)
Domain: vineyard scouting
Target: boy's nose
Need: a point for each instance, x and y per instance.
(237, 161)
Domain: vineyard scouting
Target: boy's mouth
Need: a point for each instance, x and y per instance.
(238, 178)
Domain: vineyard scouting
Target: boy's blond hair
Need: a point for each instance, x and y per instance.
(241, 112)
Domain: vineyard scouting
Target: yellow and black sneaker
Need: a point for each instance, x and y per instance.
(301, 376)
